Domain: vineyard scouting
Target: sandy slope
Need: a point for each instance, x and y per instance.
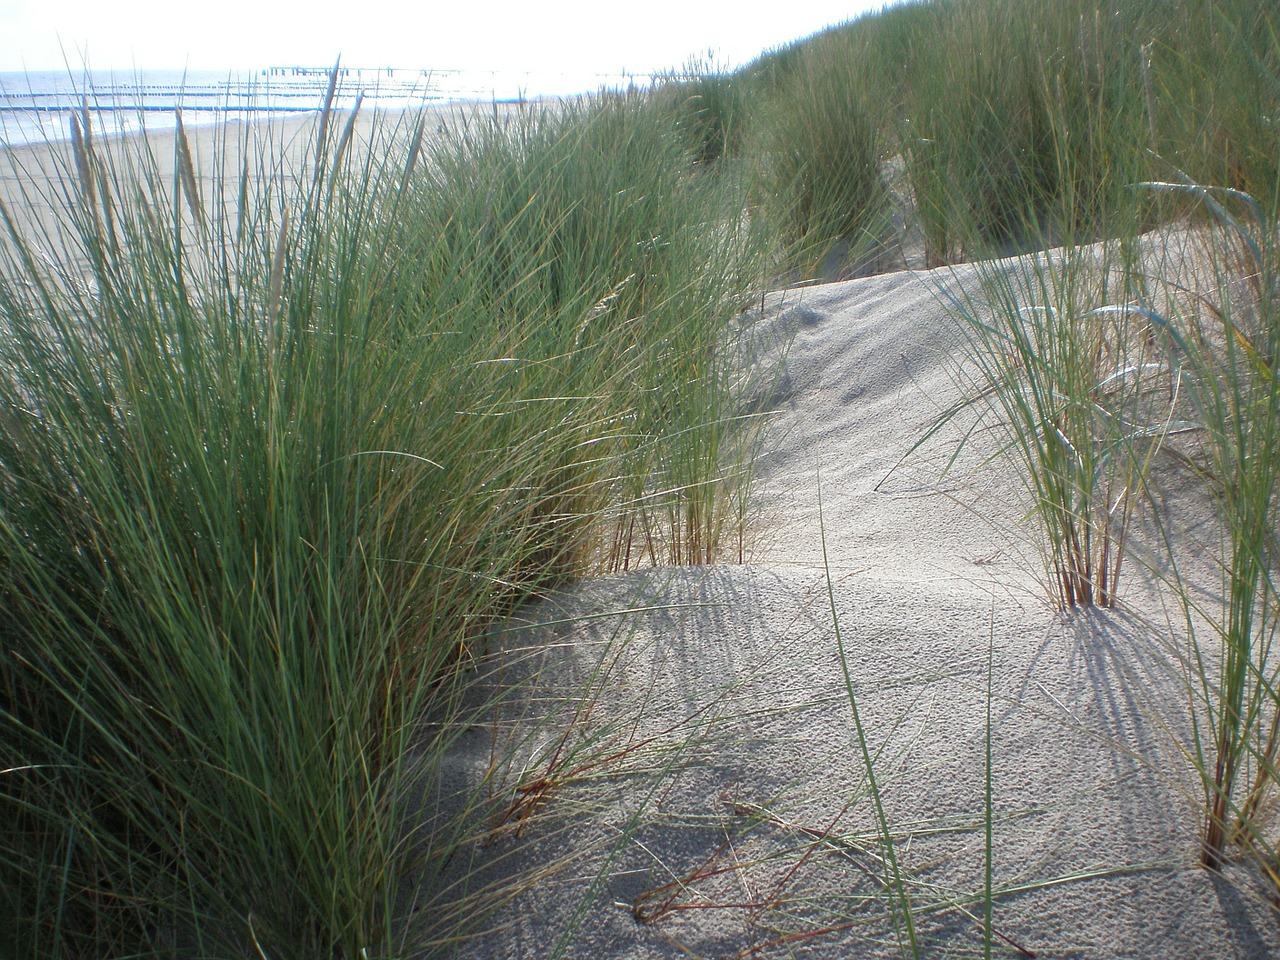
(711, 802)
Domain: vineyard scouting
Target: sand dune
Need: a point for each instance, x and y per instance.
(712, 800)
(674, 771)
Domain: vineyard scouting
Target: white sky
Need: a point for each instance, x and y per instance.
(597, 36)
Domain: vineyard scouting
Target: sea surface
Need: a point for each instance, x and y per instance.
(36, 107)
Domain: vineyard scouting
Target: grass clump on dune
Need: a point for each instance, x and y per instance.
(709, 109)
(815, 167)
(1023, 128)
(1091, 355)
(585, 215)
(1038, 136)
(1215, 301)
(1088, 388)
(1069, 386)
(1019, 123)
(271, 462)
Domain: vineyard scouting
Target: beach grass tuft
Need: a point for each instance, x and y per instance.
(1069, 387)
(1216, 301)
(267, 483)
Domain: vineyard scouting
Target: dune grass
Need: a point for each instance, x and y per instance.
(1215, 304)
(1025, 129)
(1019, 123)
(816, 167)
(898, 891)
(273, 458)
(709, 108)
(1089, 355)
(1067, 387)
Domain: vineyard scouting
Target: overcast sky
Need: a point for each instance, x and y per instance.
(600, 36)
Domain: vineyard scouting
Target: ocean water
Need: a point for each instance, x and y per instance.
(36, 107)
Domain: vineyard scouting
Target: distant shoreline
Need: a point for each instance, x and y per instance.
(35, 106)
(31, 172)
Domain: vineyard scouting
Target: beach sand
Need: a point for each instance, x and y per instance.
(711, 801)
(33, 177)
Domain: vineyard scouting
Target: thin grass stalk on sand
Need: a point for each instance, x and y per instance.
(988, 810)
(894, 879)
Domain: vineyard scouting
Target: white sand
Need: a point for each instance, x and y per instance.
(715, 786)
